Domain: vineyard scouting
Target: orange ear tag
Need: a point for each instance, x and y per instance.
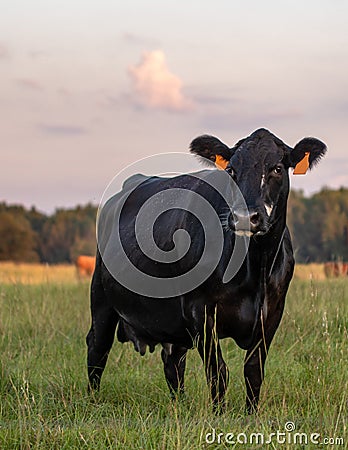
(220, 162)
(302, 167)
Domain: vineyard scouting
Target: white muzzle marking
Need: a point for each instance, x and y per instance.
(269, 209)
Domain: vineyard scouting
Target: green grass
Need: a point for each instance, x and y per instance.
(43, 380)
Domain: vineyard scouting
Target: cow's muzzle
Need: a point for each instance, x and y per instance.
(247, 223)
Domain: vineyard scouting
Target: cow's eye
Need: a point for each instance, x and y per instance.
(230, 171)
(278, 170)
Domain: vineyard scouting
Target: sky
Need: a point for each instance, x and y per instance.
(89, 87)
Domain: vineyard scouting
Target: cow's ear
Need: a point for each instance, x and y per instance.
(306, 154)
(212, 149)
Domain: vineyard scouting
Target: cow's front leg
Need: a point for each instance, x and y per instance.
(215, 367)
(174, 361)
(255, 358)
(254, 364)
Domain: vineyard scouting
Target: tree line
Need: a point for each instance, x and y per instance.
(318, 224)
(27, 235)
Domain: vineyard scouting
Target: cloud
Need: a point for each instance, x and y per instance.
(62, 130)
(29, 83)
(155, 86)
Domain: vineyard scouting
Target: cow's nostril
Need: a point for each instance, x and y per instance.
(255, 218)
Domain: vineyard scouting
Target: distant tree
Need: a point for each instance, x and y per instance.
(85, 238)
(319, 225)
(18, 242)
(37, 221)
(68, 233)
(334, 217)
(297, 223)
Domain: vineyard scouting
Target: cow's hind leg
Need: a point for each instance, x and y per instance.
(101, 335)
(174, 361)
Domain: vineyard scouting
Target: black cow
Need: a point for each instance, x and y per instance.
(247, 308)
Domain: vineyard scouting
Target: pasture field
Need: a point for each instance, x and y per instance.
(44, 403)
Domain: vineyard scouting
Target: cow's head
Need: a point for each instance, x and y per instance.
(259, 165)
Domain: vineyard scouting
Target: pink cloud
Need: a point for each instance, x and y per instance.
(155, 86)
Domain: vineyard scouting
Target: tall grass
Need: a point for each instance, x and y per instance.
(26, 273)
(44, 404)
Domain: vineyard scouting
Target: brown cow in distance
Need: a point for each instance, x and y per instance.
(85, 265)
(336, 269)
